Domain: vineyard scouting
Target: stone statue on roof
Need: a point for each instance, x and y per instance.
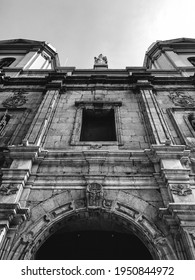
(101, 59)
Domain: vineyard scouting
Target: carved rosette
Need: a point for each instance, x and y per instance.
(94, 196)
(181, 99)
(180, 189)
(16, 100)
(8, 189)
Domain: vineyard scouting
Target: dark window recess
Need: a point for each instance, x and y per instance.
(98, 125)
(6, 62)
(192, 60)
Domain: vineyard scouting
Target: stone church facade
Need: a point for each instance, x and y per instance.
(97, 149)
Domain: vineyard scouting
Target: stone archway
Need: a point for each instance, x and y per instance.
(93, 236)
(156, 245)
(114, 216)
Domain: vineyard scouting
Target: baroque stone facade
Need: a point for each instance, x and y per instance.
(91, 149)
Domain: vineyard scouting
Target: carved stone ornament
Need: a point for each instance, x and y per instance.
(95, 147)
(180, 99)
(8, 189)
(180, 189)
(101, 59)
(160, 240)
(94, 195)
(48, 217)
(16, 100)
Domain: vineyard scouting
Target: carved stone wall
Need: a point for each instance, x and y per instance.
(142, 183)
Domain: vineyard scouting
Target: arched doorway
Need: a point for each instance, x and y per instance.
(96, 245)
(93, 235)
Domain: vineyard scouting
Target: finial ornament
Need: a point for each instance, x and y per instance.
(100, 59)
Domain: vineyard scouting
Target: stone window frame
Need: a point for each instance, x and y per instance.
(186, 111)
(104, 105)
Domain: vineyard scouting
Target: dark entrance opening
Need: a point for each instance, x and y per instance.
(93, 245)
(98, 125)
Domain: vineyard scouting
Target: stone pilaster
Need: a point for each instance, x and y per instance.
(180, 207)
(12, 214)
(184, 215)
(154, 121)
(42, 119)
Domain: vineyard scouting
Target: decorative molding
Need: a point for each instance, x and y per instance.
(8, 189)
(127, 210)
(80, 203)
(62, 210)
(180, 189)
(95, 147)
(148, 226)
(16, 100)
(48, 217)
(161, 241)
(27, 238)
(92, 104)
(107, 203)
(181, 99)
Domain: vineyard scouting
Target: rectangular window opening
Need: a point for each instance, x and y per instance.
(98, 125)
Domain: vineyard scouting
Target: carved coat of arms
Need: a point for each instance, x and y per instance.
(181, 99)
(94, 195)
(16, 100)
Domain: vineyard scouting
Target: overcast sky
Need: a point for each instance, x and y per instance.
(81, 29)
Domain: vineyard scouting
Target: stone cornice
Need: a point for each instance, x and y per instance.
(24, 152)
(167, 152)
